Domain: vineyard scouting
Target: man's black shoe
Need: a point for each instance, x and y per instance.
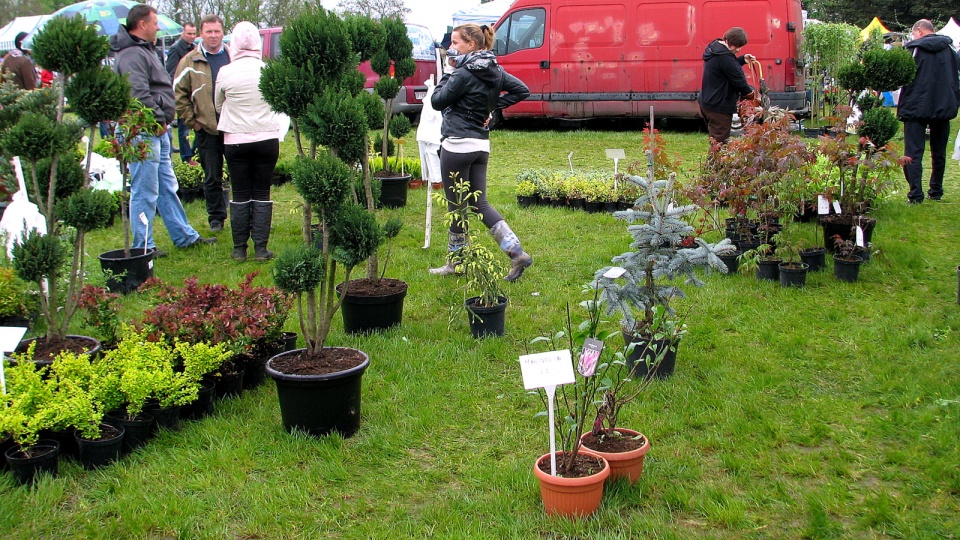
(216, 226)
(158, 254)
(914, 201)
(934, 199)
(201, 241)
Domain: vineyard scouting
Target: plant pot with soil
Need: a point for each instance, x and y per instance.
(374, 303)
(624, 449)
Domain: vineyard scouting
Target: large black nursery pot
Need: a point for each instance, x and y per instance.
(486, 321)
(44, 458)
(319, 404)
(103, 451)
(815, 258)
(203, 405)
(393, 191)
(127, 273)
(793, 274)
(645, 352)
(731, 261)
(768, 269)
(847, 269)
(366, 314)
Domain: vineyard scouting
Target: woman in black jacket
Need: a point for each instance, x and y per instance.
(467, 97)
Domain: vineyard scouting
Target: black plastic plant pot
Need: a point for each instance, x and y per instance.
(642, 361)
(289, 340)
(101, 452)
(127, 273)
(731, 261)
(793, 274)
(203, 405)
(136, 432)
(815, 258)
(393, 191)
(847, 269)
(165, 417)
(768, 269)
(367, 314)
(486, 321)
(319, 404)
(43, 457)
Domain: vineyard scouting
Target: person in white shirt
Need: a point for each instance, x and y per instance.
(251, 139)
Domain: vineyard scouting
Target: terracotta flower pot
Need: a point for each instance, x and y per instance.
(627, 465)
(568, 497)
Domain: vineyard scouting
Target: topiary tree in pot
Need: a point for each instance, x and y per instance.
(330, 111)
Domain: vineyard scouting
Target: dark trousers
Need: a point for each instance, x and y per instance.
(718, 124)
(186, 151)
(914, 140)
(210, 148)
(471, 168)
(251, 168)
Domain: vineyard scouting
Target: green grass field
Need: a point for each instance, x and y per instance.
(826, 412)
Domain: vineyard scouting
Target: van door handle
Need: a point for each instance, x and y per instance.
(544, 64)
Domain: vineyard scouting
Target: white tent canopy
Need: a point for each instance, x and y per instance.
(21, 24)
(952, 30)
(487, 14)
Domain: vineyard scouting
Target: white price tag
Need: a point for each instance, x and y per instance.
(547, 369)
(10, 337)
(614, 272)
(836, 207)
(143, 218)
(615, 153)
(860, 241)
(823, 205)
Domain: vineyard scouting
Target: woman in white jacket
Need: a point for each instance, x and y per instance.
(251, 138)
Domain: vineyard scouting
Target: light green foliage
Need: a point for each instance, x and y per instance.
(525, 188)
(13, 294)
(199, 359)
(26, 408)
(191, 176)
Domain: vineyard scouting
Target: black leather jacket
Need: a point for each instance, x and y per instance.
(471, 92)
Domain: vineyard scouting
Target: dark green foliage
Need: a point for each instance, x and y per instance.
(289, 88)
(319, 39)
(37, 136)
(69, 46)
(87, 209)
(323, 182)
(338, 121)
(852, 77)
(380, 62)
(405, 67)
(355, 235)
(98, 94)
(299, 270)
(387, 87)
(879, 125)
(869, 101)
(398, 46)
(888, 70)
(70, 177)
(399, 126)
(373, 109)
(365, 34)
(391, 228)
(37, 256)
(353, 82)
(15, 102)
(378, 143)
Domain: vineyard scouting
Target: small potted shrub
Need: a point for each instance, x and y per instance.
(190, 179)
(846, 262)
(24, 414)
(14, 300)
(526, 192)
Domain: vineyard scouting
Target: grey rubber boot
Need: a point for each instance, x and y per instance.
(260, 224)
(510, 244)
(455, 241)
(240, 228)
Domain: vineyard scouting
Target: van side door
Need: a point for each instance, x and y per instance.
(523, 51)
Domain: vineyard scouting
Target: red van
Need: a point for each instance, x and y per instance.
(586, 59)
(410, 99)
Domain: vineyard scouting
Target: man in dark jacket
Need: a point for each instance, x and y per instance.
(181, 48)
(723, 82)
(17, 63)
(931, 100)
(153, 186)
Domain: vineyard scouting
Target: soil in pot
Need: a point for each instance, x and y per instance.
(793, 274)
(624, 452)
(27, 463)
(486, 321)
(47, 350)
(96, 453)
(576, 494)
(372, 306)
(319, 393)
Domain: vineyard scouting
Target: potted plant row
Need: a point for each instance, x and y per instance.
(593, 191)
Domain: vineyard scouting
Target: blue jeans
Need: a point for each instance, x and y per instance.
(186, 151)
(153, 188)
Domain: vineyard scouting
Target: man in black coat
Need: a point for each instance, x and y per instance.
(180, 49)
(931, 100)
(724, 83)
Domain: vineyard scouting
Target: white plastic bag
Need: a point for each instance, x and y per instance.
(956, 147)
(21, 215)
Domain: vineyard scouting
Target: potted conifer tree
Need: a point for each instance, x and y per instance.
(319, 387)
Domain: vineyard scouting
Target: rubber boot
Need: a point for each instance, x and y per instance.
(260, 224)
(455, 241)
(510, 244)
(240, 228)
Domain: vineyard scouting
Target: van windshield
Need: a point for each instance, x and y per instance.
(422, 42)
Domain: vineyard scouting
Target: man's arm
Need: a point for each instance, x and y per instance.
(29, 75)
(136, 72)
(173, 59)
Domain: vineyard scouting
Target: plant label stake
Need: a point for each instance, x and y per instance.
(146, 232)
(860, 241)
(570, 160)
(547, 370)
(10, 337)
(836, 207)
(616, 154)
(823, 205)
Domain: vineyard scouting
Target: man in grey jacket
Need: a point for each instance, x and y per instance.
(153, 186)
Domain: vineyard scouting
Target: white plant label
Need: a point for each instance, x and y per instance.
(614, 272)
(550, 368)
(823, 205)
(143, 218)
(836, 207)
(860, 241)
(616, 154)
(10, 337)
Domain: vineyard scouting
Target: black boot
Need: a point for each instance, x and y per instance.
(240, 228)
(260, 229)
